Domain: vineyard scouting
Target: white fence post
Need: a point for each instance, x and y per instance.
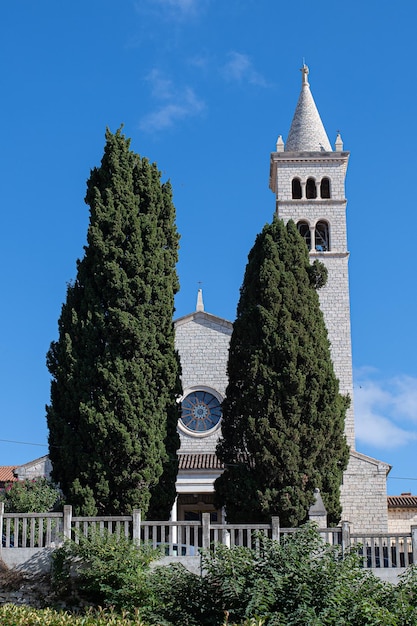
(206, 530)
(136, 521)
(345, 537)
(67, 521)
(414, 542)
(275, 528)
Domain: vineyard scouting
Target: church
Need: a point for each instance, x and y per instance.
(307, 177)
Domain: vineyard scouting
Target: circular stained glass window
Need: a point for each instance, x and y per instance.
(200, 411)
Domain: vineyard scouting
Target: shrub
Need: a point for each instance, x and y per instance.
(37, 495)
(299, 581)
(105, 569)
(183, 598)
(11, 615)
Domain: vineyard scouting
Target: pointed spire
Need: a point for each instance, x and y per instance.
(280, 144)
(307, 133)
(200, 303)
(339, 143)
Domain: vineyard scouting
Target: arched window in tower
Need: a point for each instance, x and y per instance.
(304, 230)
(311, 189)
(296, 189)
(321, 237)
(325, 188)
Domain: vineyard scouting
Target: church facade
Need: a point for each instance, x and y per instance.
(307, 178)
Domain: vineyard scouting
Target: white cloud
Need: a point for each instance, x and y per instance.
(178, 104)
(239, 68)
(406, 399)
(384, 410)
(161, 87)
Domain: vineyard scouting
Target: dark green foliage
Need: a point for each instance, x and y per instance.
(283, 416)
(105, 570)
(183, 599)
(115, 372)
(37, 495)
(299, 581)
(296, 582)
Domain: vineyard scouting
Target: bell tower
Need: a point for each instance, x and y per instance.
(308, 180)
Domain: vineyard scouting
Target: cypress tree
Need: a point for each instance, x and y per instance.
(115, 371)
(283, 415)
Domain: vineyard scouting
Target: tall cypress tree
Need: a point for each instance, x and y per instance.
(283, 415)
(115, 371)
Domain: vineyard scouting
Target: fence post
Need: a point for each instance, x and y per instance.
(1, 524)
(275, 528)
(345, 537)
(414, 542)
(206, 530)
(67, 521)
(136, 520)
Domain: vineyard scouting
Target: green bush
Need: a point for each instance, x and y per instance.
(37, 495)
(303, 581)
(296, 582)
(105, 569)
(183, 598)
(12, 615)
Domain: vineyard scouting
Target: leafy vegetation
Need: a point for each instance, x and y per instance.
(12, 615)
(296, 582)
(283, 415)
(103, 569)
(37, 495)
(115, 372)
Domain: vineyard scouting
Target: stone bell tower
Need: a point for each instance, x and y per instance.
(308, 179)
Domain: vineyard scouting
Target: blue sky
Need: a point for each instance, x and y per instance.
(204, 87)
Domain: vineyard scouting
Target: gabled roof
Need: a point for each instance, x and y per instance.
(307, 133)
(202, 317)
(29, 464)
(379, 465)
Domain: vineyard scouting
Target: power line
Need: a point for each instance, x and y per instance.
(25, 443)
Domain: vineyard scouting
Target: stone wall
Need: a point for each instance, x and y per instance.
(401, 520)
(363, 494)
(334, 297)
(202, 341)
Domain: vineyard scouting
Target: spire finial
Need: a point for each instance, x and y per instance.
(200, 303)
(305, 72)
(339, 142)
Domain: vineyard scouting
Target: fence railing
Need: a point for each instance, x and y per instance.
(178, 538)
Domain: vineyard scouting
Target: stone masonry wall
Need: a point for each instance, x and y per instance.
(334, 297)
(335, 305)
(364, 494)
(401, 520)
(202, 341)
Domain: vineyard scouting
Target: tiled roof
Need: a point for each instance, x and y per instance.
(404, 501)
(199, 462)
(6, 473)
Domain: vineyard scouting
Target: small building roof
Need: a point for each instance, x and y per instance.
(404, 501)
(199, 462)
(6, 473)
(307, 133)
